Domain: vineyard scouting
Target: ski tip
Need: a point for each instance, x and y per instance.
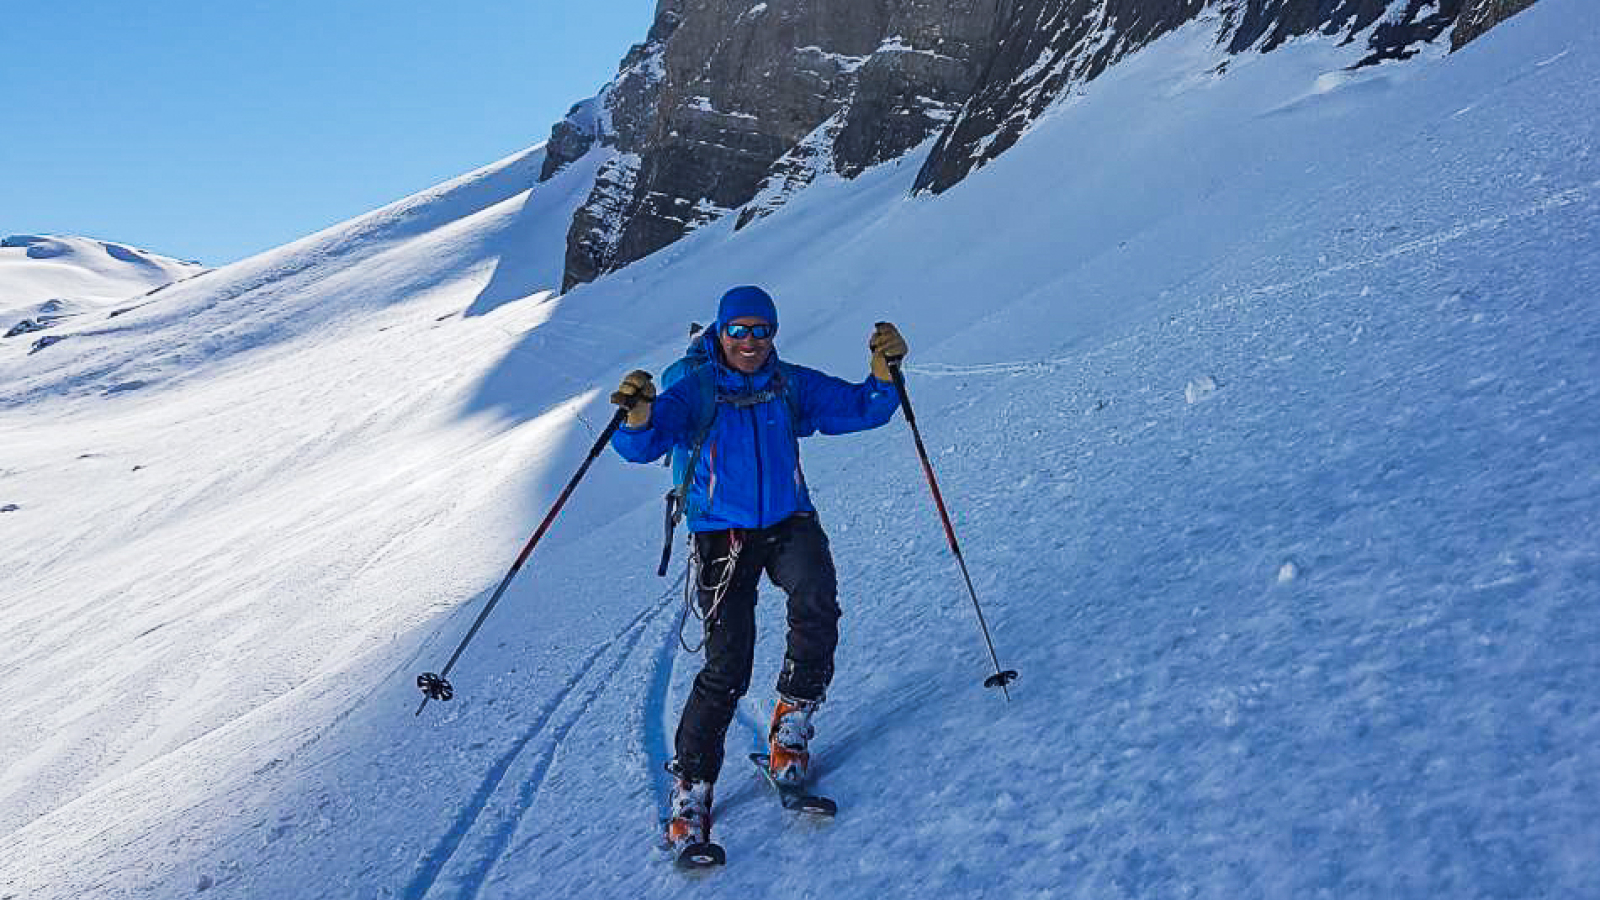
(818, 806)
(702, 856)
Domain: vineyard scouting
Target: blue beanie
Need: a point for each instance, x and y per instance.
(747, 300)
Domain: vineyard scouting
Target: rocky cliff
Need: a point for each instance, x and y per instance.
(1050, 45)
(1482, 15)
(730, 105)
(727, 99)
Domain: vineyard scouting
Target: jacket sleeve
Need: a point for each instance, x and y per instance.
(835, 406)
(670, 420)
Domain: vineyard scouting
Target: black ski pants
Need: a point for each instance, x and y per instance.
(794, 554)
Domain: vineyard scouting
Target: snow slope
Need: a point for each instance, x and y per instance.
(1264, 402)
(62, 276)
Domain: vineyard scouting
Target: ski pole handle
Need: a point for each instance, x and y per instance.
(893, 362)
(640, 381)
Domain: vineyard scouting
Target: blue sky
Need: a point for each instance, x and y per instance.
(214, 130)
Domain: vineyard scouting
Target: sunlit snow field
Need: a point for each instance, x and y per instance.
(1265, 404)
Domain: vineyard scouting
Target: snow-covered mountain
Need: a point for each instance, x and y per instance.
(48, 278)
(1263, 396)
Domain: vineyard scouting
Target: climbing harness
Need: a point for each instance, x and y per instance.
(694, 583)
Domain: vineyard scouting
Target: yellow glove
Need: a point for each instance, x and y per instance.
(886, 344)
(635, 394)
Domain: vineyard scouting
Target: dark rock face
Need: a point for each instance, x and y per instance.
(624, 107)
(728, 99)
(734, 105)
(1271, 22)
(1047, 45)
(915, 81)
(1050, 45)
(1482, 15)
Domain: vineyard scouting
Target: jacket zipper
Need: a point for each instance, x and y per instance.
(755, 436)
(756, 441)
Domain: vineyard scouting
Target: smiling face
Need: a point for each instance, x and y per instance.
(746, 354)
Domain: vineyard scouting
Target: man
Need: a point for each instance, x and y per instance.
(750, 513)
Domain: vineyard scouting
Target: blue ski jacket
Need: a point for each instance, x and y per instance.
(748, 473)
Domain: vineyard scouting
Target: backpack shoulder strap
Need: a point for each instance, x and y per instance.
(704, 415)
(705, 404)
(789, 388)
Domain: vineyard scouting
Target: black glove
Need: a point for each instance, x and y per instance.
(886, 344)
(636, 393)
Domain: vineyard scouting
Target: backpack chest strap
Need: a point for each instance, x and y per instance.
(744, 401)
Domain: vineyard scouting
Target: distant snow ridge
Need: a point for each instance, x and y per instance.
(44, 246)
(47, 278)
(37, 246)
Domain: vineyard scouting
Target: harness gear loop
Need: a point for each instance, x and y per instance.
(718, 591)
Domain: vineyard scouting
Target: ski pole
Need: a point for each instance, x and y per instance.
(1000, 678)
(436, 686)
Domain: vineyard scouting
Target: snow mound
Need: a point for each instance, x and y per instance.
(37, 246)
(61, 275)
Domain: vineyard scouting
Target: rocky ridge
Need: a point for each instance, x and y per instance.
(732, 106)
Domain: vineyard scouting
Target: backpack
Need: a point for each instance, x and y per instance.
(695, 363)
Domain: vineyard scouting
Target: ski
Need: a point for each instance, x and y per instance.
(795, 798)
(693, 854)
(699, 856)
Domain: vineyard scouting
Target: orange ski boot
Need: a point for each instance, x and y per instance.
(689, 825)
(788, 741)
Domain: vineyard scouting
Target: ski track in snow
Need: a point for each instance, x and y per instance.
(491, 846)
(657, 744)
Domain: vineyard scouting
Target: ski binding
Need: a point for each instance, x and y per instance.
(794, 797)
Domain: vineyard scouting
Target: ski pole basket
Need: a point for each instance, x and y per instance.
(435, 687)
(1001, 678)
(997, 680)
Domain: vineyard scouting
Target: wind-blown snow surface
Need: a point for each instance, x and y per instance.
(1265, 404)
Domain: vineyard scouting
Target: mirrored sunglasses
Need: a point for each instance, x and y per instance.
(760, 332)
